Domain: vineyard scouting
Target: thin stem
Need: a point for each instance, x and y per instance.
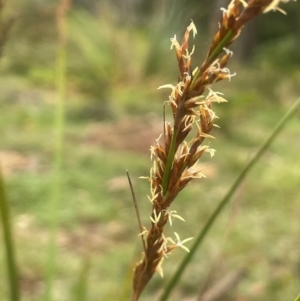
(171, 285)
(136, 210)
(298, 298)
(12, 272)
(219, 48)
(170, 159)
(59, 127)
(81, 286)
(164, 122)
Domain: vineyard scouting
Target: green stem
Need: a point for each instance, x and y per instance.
(297, 298)
(81, 287)
(170, 159)
(57, 172)
(227, 38)
(9, 244)
(219, 48)
(171, 285)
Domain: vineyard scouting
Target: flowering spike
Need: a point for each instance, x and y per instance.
(174, 158)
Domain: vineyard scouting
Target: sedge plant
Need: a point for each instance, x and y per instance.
(175, 155)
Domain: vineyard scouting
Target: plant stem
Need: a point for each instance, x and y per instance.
(12, 272)
(297, 298)
(81, 286)
(225, 41)
(171, 285)
(59, 127)
(170, 159)
(219, 48)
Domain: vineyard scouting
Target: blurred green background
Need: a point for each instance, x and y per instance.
(118, 53)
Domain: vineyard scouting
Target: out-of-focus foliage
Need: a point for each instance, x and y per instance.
(115, 47)
(109, 40)
(120, 46)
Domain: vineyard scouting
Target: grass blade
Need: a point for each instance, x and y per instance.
(59, 127)
(297, 298)
(81, 286)
(9, 244)
(171, 285)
